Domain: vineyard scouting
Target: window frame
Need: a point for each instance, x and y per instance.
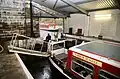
(82, 66)
(58, 45)
(108, 73)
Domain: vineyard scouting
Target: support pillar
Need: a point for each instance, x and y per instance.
(31, 19)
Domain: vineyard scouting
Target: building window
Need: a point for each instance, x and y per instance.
(82, 68)
(107, 75)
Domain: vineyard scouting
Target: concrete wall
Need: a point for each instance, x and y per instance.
(76, 21)
(117, 34)
(108, 28)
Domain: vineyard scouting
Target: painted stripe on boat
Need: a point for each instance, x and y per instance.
(29, 76)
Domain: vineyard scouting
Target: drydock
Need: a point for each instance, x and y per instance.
(59, 39)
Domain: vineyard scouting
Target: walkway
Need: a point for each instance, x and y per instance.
(10, 67)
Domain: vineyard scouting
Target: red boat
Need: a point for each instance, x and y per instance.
(91, 60)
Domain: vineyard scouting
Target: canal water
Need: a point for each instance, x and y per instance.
(39, 67)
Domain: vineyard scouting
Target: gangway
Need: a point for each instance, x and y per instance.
(30, 46)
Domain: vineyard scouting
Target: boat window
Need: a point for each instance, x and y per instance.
(69, 43)
(107, 75)
(58, 46)
(82, 68)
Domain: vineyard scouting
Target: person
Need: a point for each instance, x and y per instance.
(48, 37)
(62, 35)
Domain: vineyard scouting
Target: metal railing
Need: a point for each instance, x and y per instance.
(24, 42)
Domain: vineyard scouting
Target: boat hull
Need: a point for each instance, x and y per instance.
(57, 72)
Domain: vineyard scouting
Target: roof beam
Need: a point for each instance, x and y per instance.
(46, 17)
(44, 11)
(52, 16)
(75, 6)
(118, 3)
(55, 4)
(102, 9)
(64, 14)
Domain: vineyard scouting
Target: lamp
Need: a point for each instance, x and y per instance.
(102, 17)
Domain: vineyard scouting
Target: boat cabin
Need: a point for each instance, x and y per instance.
(94, 60)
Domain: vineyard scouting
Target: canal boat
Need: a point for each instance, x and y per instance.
(91, 60)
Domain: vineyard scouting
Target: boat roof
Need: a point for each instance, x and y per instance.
(107, 49)
(50, 29)
(57, 42)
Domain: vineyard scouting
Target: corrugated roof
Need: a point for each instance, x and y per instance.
(66, 7)
(100, 4)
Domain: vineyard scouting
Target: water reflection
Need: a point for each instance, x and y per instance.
(44, 74)
(38, 67)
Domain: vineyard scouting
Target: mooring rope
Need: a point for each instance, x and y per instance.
(1, 49)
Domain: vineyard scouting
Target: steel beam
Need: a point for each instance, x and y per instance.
(118, 3)
(46, 17)
(102, 9)
(55, 4)
(75, 6)
(64, 14)
(44, 11)
(31, 19)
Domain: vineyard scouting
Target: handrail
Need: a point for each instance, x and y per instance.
(28, 43)
(22, 35)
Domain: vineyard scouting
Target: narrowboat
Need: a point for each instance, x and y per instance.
(91, 60)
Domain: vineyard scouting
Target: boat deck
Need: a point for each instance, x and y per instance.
(108, 50)
(62, 57)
